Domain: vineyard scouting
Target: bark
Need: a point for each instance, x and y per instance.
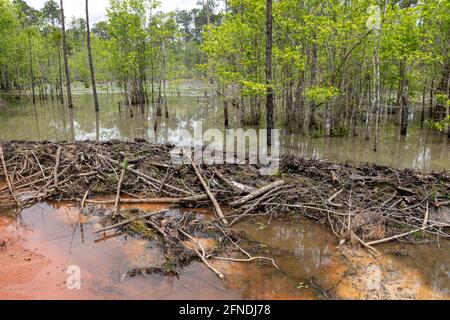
(404, 110)
(30, 52)
(313, 119)
(270, 100)
(66, 62)
(61, 86)
(91, 64)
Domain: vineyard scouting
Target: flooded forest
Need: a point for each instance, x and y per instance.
(350, 100)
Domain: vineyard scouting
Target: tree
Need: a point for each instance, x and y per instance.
(270, 102)
(66, 62)
(91, 64)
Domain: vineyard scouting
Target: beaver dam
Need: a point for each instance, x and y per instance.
(362, 205)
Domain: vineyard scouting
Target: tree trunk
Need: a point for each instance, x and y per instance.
(378, 81)
(61, 86)
(66, 62)
(31, 68)
(91, 64)
(404, 109)
(270, 100)
(313, 118)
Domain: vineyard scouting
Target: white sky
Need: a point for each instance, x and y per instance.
(97, 8)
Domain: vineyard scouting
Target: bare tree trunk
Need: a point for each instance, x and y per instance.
(31, 67)
(313, 106)
(270, 100)
(66, 62)
(404, 109)
(61, 86)
(378, 82)
(91, 64)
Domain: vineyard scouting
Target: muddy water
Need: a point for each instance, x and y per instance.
(37, 248)
(421, 149)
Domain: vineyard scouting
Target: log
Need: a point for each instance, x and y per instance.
(119, 187)
(55, 170)
(257, 193)
(233, 184)
(201, 197)
(219, 212)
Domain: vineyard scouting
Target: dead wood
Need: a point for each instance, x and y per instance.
(257, 193)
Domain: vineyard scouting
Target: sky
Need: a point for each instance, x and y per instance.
(97, 8)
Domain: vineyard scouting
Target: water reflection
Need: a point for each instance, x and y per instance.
(422, 149)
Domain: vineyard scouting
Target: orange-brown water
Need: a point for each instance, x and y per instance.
(37, 247)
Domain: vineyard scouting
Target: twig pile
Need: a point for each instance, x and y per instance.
(365, 204)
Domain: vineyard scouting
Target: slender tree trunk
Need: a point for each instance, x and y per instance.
(31, 68)
(66, 62)
(313, 106)
(404, 109)
(369, 113)
(270, 100)
(378, 81)
(61, 86)
(91, 64)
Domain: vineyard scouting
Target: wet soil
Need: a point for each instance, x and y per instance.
(38, 247)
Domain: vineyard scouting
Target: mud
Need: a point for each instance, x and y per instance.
(38, 247)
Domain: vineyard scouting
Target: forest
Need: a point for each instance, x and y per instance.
(336, 65)
(91, 111)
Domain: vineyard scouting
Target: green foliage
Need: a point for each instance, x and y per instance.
(340, 131)
(321, 95)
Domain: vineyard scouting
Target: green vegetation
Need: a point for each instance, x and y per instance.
(333, 65)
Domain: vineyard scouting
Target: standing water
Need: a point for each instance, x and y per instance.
(422, 149)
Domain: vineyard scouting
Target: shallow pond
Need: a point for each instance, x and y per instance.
(422, 149)
(38, 247)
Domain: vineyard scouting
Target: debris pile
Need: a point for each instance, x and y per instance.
(365, 204)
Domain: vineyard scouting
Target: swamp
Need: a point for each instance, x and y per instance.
(102, 195)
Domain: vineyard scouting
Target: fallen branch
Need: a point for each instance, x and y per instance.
(8, 179)
(219, 212)
(119, 187)
(334, 196)
(397, 237)
(233, 184)
(257, 193)
(153, 200)
(201, 255)
(55, 170)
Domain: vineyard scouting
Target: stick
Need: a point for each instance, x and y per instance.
(163, 182)
(427, 215)
(219, 212)
(144, 176)
(233, 184)
(155, 200)
(39, 164)
(8, 180)
(334, 196)
(201, 255)
(83, 201)
(55, 170)
(119, 186)
(396, 237)
(126, 222)
(257, 193)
